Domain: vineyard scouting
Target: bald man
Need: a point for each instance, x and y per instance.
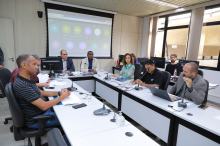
(190, 84)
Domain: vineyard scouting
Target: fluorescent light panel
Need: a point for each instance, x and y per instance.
(162, 3)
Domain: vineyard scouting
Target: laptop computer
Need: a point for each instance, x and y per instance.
(163, 94)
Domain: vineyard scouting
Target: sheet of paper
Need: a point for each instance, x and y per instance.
(213, 85)
(218, 117)
(71, 99)
(43, 78)
(52, 83)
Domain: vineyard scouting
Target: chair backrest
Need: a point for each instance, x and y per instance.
(55, 138)
(16, 112)
(138, 68)
(166, 80)
(206, 93)
(200, 72)
(5, 76)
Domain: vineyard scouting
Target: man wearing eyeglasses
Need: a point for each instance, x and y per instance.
(34, 77)
(68, 65)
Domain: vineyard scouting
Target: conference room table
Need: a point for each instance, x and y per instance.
(83, 128)
(173, 125)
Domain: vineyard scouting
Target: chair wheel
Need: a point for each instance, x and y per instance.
(11, 128)
(5, 122)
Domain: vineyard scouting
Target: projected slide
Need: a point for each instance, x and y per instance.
(78, 33)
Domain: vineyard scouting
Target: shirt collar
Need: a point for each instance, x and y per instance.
(88, 59)
(26, 80)
(63, 60)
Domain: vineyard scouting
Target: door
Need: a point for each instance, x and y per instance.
(7, 43)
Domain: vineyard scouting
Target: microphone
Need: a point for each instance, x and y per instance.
(101, 111)
(182, 104)
(70, 74)
(138, 86)
(107, 77)
(72, 88)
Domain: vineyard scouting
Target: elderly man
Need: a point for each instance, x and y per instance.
(190, 84)
(89, 64)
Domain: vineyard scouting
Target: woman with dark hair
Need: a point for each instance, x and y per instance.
(134, 58)
(128, 67)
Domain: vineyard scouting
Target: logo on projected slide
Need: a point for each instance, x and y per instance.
(66, 29)
(105, 46)
(97, 32)
(77, 30)
(69, 45)
(53, 27)
(55, 44)
(94, 46)
(106, 32)
(87, 31)
(82, 45)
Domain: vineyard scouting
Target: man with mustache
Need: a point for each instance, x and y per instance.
(173, 65)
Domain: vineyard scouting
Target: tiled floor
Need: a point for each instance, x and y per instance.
(7, 138)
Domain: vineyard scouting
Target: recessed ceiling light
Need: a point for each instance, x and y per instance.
(162, 3)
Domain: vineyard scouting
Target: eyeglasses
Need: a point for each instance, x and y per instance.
(65, 54)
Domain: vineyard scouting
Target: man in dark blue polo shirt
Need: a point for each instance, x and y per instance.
(28, 95)
(152, 78)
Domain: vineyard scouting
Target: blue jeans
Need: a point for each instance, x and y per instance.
(53, 122)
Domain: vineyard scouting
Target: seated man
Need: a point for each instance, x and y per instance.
(89, 64)
(28, 95)
(153, 77)
(173, 65)
(68, 65)
(190, 85)
(34, 77)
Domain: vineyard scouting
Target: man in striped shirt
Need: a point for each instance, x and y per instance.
(28, 95)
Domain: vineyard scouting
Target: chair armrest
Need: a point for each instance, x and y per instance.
(41, 119)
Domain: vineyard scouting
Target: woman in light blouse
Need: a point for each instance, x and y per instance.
(128, 67)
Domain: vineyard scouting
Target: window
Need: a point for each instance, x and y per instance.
(210, 38)
(172, 35)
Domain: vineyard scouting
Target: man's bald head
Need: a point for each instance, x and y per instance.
(194, 67)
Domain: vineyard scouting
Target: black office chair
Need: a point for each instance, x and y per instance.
(166, 80)
(200, 72)
(206, 93)
(20, 130)
(138, 68)
(55, 138)
(5, 76)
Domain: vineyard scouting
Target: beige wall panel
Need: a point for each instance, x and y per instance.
(117, 22)
(129, 42)
(107, 64)
(130, 23)
(140, 28)
(116, 45)
(25, 37)
(24, 9)
(39, 38)
(76, 63)
(139, 46)
(7, 9)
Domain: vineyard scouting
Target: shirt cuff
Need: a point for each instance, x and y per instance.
(190, 89)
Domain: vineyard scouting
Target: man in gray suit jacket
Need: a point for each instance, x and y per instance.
(190, 85)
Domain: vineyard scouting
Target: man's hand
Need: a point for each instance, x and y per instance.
(1, 66)
(43, 84)
(142, 84)
(91, 70)
(188, 82)
(65, 93)
(132, 81)
(48, 81)
(67, 72)
(116, 75)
